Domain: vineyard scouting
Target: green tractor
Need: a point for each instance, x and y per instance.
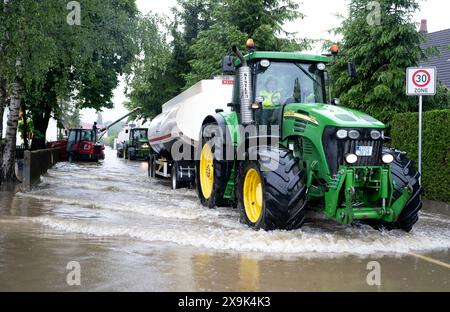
(282, 150)
(133, 143)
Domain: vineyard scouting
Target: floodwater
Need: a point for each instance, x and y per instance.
(132, 233)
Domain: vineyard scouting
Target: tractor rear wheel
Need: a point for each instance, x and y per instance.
(272, 200)
(212, 175)
(404, 175)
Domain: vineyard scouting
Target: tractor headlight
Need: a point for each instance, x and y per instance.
(342, 134)
(387, 158)
(375, 134)
(145, 145)
(351, 159)
(354, 134)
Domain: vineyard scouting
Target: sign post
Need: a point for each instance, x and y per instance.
(420, 82)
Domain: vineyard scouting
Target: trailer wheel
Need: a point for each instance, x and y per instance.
(151, 166)
(272, 200)
(404, 174)
(174, 175)
(211, 175)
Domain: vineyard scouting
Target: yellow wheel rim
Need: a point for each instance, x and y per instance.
(253, 196)
(207, 171)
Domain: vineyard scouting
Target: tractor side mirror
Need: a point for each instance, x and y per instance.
(228, 65)
(351, 68)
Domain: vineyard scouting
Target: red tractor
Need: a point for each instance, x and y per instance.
(83, 144)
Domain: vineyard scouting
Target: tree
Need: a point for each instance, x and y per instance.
(382, 46)
(23, 60)
(2, 108)
(91, 57)
(160, 74)
(191, 18)
(45, 60)
(203, 32)
(440, 101)
(151, 84)
(234, 22)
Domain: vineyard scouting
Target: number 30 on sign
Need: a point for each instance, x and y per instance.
(421, 81)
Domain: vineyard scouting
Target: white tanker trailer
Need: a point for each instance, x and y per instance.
(181, 122)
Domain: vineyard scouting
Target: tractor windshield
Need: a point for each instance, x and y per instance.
(282, 83)
(140, 134)
(87, 135)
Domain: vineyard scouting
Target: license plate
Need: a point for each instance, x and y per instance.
(364, 150)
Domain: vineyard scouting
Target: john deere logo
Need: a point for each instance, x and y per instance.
(302, 116)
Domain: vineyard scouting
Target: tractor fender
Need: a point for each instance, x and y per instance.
(219, 120)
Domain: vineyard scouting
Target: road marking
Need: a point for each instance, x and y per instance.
(445, 265)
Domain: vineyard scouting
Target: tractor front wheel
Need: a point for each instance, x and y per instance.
(130, 155)
(404, 175)
(272, 199)
(72, 157)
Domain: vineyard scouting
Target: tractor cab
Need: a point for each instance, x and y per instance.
(279, 82)
(276, 80)
(139, 137)
(82, 145)
(133, 143)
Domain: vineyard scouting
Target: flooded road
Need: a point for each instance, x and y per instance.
(132, 233)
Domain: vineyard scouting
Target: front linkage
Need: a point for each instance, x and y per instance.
(360, 186)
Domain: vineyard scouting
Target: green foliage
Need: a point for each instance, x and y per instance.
(61, 61)
(436, 149)
(381, 53)
(152, 83)
(160, 74)
(209, 50)
(234, 21)
(440, 101)
(29, 128)
(202, 33)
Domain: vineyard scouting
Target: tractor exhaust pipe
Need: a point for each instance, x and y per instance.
(246, 89)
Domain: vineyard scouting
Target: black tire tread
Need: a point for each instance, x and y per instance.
(404, 174)
(284, 189)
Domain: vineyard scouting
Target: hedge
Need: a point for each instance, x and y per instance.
(435, 148)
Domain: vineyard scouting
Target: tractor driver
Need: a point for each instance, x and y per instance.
(271, 101)
(271, 94)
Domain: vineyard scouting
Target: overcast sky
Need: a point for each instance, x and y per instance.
(320, 17)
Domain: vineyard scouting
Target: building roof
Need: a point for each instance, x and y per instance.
(441, 40)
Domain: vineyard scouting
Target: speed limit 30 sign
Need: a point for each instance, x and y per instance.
(421, 81)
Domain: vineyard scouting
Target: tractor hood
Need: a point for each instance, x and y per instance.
(325, 115)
